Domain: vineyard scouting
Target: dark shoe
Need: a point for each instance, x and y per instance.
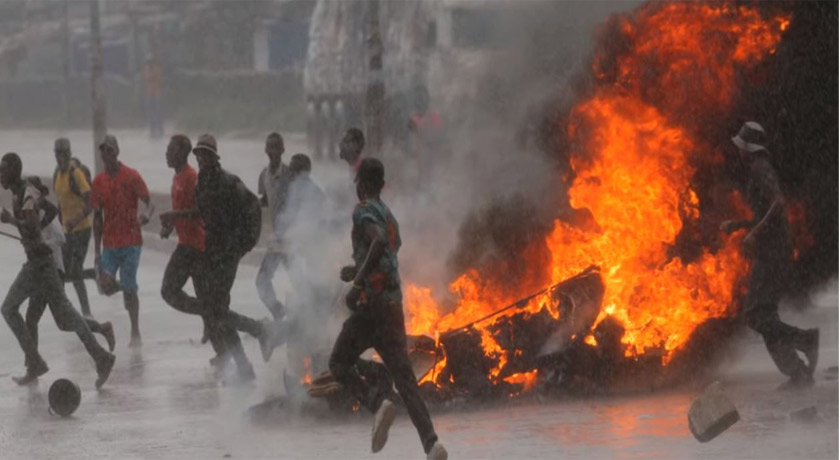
(218, 361)
(135, 342)
(266, 339)
(279, 311)
(382, 422)
(242, 376)
(32, 373)
(812, 353)
(797, 383)
(108, 332)
(103, 369)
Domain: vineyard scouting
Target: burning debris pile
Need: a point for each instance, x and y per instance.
(633, 152)
(627, 284)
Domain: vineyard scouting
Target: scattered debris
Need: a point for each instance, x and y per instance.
(711, 414)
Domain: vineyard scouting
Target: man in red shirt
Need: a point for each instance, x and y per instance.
(190, 260)
(185, 262)
(116, 225)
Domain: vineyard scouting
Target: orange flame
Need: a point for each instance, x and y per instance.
(307, 373)
(803, 240)
(528, 380)
(631, 154)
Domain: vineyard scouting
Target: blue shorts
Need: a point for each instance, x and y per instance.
(125, 260)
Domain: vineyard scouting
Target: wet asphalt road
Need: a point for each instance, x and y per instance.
(163, 401)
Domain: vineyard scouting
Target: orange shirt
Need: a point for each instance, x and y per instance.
(190, 231)
(116, 196)
(153, 79)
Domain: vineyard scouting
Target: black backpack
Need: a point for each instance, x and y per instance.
(251, 218)
(75, 163)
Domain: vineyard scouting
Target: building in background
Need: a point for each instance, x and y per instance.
(241, 51)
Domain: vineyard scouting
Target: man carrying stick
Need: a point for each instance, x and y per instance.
(39, 277)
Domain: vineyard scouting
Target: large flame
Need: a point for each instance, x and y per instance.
(631, 151)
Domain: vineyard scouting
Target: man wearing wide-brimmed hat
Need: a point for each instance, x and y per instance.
(769, 244)
(231, 216)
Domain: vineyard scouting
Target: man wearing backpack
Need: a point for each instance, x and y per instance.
(116, 225)
(188, 260)
(71, 182)
(232, 221)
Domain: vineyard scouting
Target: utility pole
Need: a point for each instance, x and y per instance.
(65, 61)
(97, 80)
(375, 96)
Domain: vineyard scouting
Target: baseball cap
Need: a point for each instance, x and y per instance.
(62, 144)
(109, 141)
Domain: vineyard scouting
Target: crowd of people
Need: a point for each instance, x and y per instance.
(217, 220)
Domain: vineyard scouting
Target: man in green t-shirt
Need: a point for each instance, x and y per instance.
(377, 320)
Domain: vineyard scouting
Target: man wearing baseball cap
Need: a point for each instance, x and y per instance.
(768, 242)
(116, 226)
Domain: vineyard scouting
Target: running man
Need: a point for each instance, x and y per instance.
(769, 244)
(186, 261)
(225, 206)
(273, 190)
(72, 189)
(377, 316)
(38, 278)
(116, 226)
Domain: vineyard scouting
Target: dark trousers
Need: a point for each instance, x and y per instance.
(39, 279)
(381, 326)
(74, 253)
(185, 263)
(766, 286)
(213, 276)
(222, 323)
(154, 116)
(189, 263)
(265, 289)
(35, 310)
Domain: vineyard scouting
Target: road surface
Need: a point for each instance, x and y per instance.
(163, 401)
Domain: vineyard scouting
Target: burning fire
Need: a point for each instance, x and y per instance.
(631, 151)
(307, 372)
